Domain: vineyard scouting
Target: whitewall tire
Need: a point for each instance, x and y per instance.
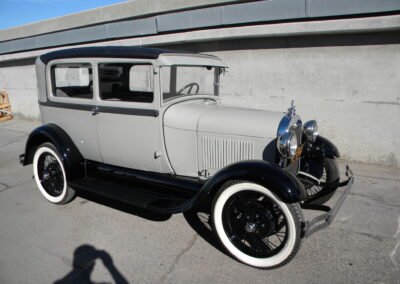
(50, 176)
(254, 226)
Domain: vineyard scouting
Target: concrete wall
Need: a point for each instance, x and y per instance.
(19, 79)
(154, 17)
(349, 83)
(110, 13)
(343, 72)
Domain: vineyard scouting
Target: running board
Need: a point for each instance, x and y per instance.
(324, 220)
(133, 195)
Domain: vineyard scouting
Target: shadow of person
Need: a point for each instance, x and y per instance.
(83, 264)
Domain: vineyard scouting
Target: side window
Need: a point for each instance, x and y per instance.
(72, 80)
(129, 82)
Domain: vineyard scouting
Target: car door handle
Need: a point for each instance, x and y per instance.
(95, 111)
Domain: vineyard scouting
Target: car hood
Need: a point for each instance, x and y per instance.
(209, 116)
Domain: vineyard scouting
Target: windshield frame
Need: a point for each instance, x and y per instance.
(218, 70)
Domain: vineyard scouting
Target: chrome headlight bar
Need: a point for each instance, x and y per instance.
(310, 130)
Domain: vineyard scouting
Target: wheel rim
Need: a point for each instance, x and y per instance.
(255, 224)
(314, 188)
(50, 174)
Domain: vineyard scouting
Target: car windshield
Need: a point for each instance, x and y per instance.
(177, 81)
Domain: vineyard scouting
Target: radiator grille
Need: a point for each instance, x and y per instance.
(219, 152)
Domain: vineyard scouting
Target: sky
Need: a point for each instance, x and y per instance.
(19, 12)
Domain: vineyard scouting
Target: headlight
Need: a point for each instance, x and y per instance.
(287, 144)
(310, 130)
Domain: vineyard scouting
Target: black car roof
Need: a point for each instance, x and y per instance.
(107, 51)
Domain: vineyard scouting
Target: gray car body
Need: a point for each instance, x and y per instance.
(193, 136)
(165, 148)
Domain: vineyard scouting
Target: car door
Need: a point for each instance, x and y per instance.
(128, 122)
(70, 103)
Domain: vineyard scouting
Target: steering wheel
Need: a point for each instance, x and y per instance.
(189, 88)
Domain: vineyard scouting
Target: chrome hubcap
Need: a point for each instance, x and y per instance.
(50, 174)
(250, 227)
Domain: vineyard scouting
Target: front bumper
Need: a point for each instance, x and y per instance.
(322, 221)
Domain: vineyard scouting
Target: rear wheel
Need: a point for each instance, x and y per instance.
(255, 226)
(50, 176)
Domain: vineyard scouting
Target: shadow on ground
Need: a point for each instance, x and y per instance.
(130, 209)
(198, 218)
(83, 264)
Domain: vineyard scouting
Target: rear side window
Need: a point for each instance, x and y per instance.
(72, 80)
(129, 82)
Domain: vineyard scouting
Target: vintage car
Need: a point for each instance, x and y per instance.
(145, 126)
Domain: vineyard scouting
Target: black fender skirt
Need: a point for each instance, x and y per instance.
(279, 181)
(70, 154)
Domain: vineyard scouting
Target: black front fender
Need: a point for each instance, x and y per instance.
(279, 181)
(321, 148)
(54, 134)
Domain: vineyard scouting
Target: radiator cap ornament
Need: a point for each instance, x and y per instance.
(292, 109)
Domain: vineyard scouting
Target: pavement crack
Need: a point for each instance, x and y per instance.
(380, 178)
(178, 257)
(13, 130)
(368, 235)
(12, 142)
(64, 259)
(9, 187)
(375, 199)
(5, 187)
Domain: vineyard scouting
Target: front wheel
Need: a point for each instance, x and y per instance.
(50, 176)
(327, 171)
(255, 226)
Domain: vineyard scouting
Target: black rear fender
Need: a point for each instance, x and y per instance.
(70, 155)
(279, 181)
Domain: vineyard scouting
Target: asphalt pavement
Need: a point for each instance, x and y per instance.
(103, 241)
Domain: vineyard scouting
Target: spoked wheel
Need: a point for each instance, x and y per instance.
(50, 175)
(327, 171)
(314, 189)
(255, 226)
